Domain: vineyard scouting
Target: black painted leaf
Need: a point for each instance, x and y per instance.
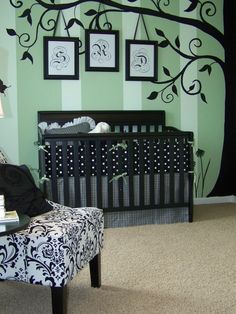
(11, 32)
(192, 6)
(163, 44)
(160, 33)
(3, 87)
(192, 87)
(72, 22)
(203, 97)
(25, 13)
(152, 96)
(174, 89)
(131, 0)
(79, 23)
(200, 152)
(177, 42)
(206, 67)
(29, 19)
(91, 12)
(27, 55)
(166, 71)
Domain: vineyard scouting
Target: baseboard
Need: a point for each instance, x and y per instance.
(215, 200)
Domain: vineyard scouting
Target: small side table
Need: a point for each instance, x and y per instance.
(12, 227)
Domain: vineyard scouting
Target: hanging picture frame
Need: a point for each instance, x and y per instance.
(141, 60)
(102, 50)
(61, 58)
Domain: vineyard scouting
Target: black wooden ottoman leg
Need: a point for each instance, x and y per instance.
(59, 298)
(95, 271)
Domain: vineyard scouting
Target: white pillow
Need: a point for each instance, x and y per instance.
(101, 127)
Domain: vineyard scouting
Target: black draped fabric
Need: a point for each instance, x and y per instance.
(20, 191)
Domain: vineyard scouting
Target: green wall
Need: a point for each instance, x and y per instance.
(30, 93)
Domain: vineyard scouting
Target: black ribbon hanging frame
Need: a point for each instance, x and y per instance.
(141, 17)
(57, 22)
(100, 6)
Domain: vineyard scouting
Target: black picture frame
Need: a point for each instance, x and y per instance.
(141, 60)
(61, 58)
(101, 50)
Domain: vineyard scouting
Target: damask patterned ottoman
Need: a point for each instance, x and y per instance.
(54, 248)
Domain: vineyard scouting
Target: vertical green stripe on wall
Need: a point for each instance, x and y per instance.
(71, 92)
(132, 90)
(34, 94)
(9, 141)
(101, 90)
(166, 58)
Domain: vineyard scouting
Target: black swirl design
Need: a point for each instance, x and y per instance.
(100, 51)
(140, 61)
(60, 58)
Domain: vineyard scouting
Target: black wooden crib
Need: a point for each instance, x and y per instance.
(141, 172)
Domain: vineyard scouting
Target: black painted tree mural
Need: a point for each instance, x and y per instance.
(167, 90)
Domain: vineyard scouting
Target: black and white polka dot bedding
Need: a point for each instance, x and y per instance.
(153, 160)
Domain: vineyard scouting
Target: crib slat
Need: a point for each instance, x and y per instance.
(65, 172)
(54, 184)
(109, 175)
(190, 179)
(141, 173)
(88, 172)
(131, 172)
(120, 180)
(181, 170)
(171, 170)
(151, 172)
(162, 172)
(76, 158)
(99, 173)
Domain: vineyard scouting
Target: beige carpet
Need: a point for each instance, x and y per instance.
(167, 269)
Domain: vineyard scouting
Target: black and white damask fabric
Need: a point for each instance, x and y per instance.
(54, 247)
(3, 158)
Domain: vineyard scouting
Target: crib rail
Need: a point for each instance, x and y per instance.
(128, 171)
